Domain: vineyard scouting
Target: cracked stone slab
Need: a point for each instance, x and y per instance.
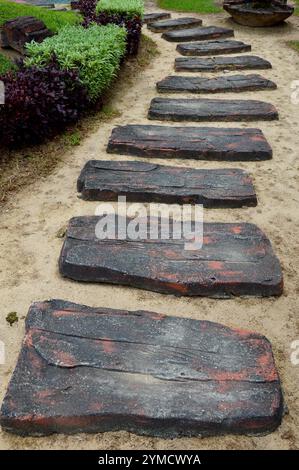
(147, 182)
(174, 24)
(170, 109)
(215, 64)
(235, 259)
(225, 83)
(200, 143)
(153, 17)
(217, 47)
(197, 34)
(84, 369)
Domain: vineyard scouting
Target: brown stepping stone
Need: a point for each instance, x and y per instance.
(231, 83)
(147, 182)
(170, 109)
(200, 143)
(152, 17)
(174, 24)
(235, 259)
(84, 369)
(197, 34)
(218, 47)
(215, 64)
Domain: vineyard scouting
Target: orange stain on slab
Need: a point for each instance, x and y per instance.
(108, 346)
(236, 229)
(216, 265)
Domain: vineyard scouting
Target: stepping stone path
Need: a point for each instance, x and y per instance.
(196, 34)
(200, 143)
(232, 83)
(235, 259)
(211, 110)
(171, 25)
(220, 46)
(215, 64)
(152, 17)
(147, 182)
(84, 369)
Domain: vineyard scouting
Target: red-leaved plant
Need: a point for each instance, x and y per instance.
(39, 103)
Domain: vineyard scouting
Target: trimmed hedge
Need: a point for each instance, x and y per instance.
(128, 8)
(54, 20)
(126, 13)
(96, 52)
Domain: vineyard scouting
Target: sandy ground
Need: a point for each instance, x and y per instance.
(30, 246)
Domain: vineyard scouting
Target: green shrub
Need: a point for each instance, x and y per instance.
(129, 8)
(96, 52)
(5, 64)
(54, 20)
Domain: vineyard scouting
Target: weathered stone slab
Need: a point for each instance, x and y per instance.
(235, 259)
(200, 143)
(217, 47)
(215, 64)
(230, 83)
(198, 34)
(169, 109)
(17, 32)
(174, 24)
(147, 182)
(152, 17)
(84, 369)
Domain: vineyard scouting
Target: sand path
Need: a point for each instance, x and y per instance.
(30, 247)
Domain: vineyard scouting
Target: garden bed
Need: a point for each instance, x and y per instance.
(66, 74)
(23, 166)
(59, 80)
(124, 13)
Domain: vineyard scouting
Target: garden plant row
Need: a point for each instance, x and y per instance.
(67, 73)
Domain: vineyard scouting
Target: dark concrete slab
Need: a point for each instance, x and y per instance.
(216, 47)
(198, 34)
(215, 64)
(153, 17)
(200, 143)
(235, 259)
(174, 24)
(84, 369)
(170, 109)
(147, 182)
(225, 83)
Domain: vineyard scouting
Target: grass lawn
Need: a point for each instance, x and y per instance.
(54, 20)
(5, 64)
(199, 6)
(195, 6)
